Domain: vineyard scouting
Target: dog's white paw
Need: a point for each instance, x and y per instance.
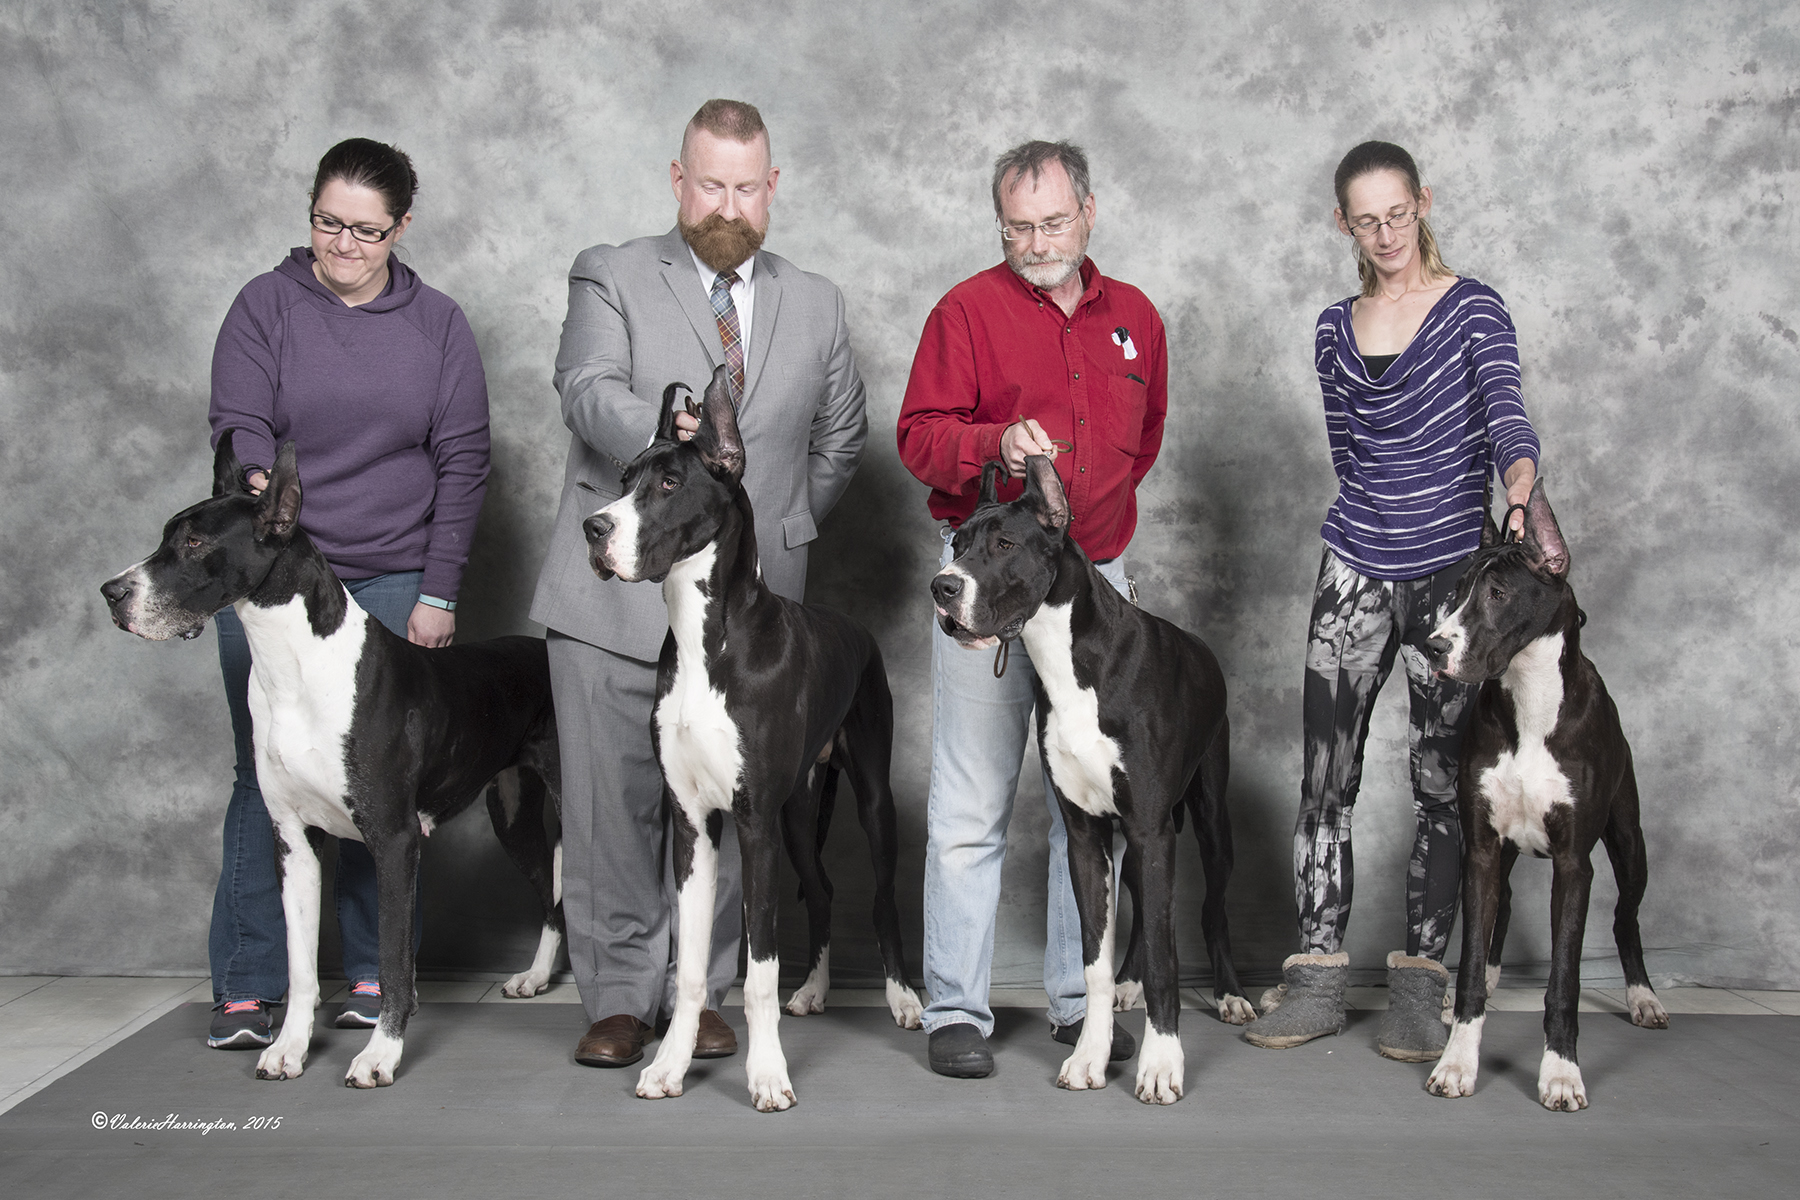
(1646, 1010)
(525, 984)
(1559, 1084)
(1456, 1068)
(1160, 1067)
(904, 1003)
(663, 1077)
(770, 1089)
(374, 1067)
(1127, 994)
(284, 1059)
(1236, 1010)
(806, 1000)
(1084, 1069)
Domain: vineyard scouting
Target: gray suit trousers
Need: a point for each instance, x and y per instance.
(618, 877)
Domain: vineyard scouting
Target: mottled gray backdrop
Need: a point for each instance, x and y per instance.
(1623, 173)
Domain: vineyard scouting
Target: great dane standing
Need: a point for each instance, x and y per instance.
(1132, 728)
(359, 733)
(1546, 770)
(753, 692)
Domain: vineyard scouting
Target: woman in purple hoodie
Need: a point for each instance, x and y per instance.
(377, 379)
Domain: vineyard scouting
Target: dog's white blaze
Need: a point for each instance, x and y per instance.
(1451, 630)
(375, 1066)
(1559, 1083)
(300, 882)
(302, 697)
(1082, 759)
(619, 550)
(702, 758)
(1086, 1067)
(962, 610)
(1161, 1065)
(1456, 1068)
(764, 1064)
(694, 915)
(904, 1004)
(810, 996)
(1523, 785)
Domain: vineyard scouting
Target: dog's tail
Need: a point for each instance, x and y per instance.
(827, 777)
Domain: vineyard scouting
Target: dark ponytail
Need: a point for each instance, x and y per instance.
(378, 166)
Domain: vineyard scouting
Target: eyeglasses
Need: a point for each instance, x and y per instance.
(1024, 232)
(331, 227)
(1366, 227)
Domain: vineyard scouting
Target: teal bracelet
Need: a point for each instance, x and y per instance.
(446, 605)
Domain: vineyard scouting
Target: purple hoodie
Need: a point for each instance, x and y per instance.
(388, 406)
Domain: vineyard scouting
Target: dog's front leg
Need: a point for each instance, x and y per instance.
(1090, 871)
(696, 883)
(1560, 1086)
(297, 858)
(396, 854)
(1483, 863)
(1161, 1063)
(766, 1066)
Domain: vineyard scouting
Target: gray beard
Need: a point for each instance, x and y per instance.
(1051, 274)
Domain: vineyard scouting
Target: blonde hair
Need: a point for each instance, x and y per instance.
(1385, 156)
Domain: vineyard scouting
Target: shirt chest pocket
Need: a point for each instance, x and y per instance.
(1123, 420)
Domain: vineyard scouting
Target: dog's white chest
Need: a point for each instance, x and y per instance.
(1524, 785)
(702, 757)
(1082, 759)
(302, 697)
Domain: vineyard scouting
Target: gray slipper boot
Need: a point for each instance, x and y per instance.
(1311, 1003)
(1412, 1028)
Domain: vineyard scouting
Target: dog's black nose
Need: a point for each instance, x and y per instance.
(1439, 646)
(596, 528)
(946, 588)
(115, 590)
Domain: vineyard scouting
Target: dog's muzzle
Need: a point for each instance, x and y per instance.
(598, 529)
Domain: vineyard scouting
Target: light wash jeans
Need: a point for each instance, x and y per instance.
(979, 726)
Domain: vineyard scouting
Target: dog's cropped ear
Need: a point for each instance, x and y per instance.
(228, 472)
(990, 483)
(665, 421)
(1545, 549)
(278, 509)
(721, 446)
(1044, 489)
(1490, 532)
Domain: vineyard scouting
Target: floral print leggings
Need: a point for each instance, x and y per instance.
(1359, 624)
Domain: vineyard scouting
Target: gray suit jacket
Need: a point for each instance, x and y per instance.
(638, 321)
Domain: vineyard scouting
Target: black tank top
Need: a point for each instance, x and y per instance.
(1378, 364)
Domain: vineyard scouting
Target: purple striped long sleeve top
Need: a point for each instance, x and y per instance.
(1413, 449)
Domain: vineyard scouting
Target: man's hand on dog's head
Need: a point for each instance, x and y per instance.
(1022, 438)
(686, 426)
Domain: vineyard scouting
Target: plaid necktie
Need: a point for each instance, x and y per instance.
(726, 312)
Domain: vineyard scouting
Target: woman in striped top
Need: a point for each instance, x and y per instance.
(1420, 377)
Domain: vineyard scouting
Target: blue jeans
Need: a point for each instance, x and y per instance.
(979, 726)
(248, 942)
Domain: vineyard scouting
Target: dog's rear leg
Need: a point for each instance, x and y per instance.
(1509, 854)
(396, 854)
(696, 861)
(1205, 800)
(297, 860)
(1483, 862)
(764, 1064)
(1625, 847)
(1091, 874)
(1128, 984)
(515, 804)
(868, 742)
(799, 833)
(1161, 1064)
(1560, 1085)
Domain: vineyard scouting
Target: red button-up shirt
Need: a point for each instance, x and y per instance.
(996, 349)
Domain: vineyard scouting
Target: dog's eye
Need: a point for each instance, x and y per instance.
(669, 483)
(193, 543)
(1006, 545)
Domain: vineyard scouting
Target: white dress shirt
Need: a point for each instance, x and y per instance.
(743, 297)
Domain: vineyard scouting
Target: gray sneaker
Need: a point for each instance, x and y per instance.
(1309, 1003)
(1412, 1028)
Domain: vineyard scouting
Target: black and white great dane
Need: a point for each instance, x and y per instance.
(1132, 728)
(1546, 770)
(358, 733)
(755, 694)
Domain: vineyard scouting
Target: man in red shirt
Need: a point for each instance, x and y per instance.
(1039, 355)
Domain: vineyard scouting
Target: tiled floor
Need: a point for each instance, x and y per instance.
(49, 1024)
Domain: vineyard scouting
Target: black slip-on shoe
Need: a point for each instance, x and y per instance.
(961, 1052)
(1123, 1046)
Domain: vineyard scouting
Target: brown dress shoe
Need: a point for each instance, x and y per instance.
(615, 1042)
(715, 1039)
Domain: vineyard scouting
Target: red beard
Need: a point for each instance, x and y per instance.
(722, 244)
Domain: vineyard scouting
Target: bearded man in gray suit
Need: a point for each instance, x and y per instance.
(651, 312)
